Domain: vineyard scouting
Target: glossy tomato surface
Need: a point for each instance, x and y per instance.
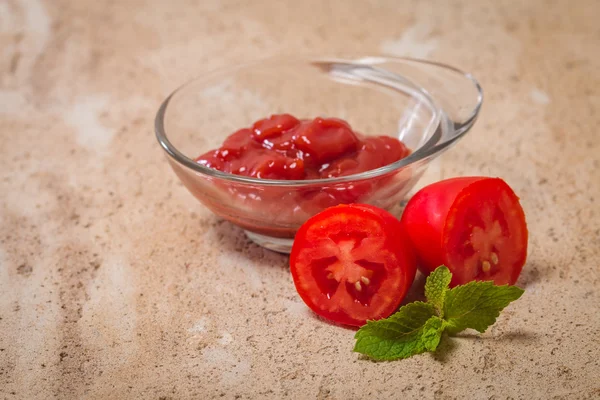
(284, 147)
(473, 225)
(352, 263)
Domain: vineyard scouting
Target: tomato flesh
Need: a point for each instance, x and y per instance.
(282, 147)
(352, 263)
(324, 140)
(324, 147)
(475, 226)
(273, 126)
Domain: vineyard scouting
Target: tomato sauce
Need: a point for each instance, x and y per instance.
(284, 147)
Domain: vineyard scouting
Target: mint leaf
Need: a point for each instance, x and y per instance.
(476, 305)
(436, 287)
(432, 333)
(399, 336)
(418, 327)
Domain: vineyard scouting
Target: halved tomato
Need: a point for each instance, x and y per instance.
(352, 263)
(473, 225)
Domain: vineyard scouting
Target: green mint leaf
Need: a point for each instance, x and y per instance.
(432, 333)
(476, 305)
(436, 287)
(400, 335)
(418, 327)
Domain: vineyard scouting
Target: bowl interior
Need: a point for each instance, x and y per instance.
(426, 105)
(201, 114)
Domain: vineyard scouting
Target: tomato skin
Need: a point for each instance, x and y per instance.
(314, 149)
(324, 140)
(424, 217)
(273, 126)
(437, 213)
(377, 226)
(238, 142)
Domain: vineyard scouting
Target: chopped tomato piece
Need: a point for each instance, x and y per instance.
(273, 126)
(324, 147)
(324, 140)
(264, 164)
(236, 144)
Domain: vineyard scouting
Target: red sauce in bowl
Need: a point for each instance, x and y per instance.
(284, 147)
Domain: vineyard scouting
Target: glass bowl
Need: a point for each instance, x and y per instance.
(426, 105)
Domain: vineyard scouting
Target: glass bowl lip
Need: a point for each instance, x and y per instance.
(420, 154)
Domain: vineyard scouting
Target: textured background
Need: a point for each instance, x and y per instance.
(116, 283)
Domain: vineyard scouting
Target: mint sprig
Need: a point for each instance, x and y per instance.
(399, 336)
(418, 327)
(436, 287)
(476, 305)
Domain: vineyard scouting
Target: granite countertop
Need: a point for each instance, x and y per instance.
(116, 283)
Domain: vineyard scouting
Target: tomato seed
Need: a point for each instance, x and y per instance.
(365, 280)
(358, 286)
(494, 258)
(485, 266)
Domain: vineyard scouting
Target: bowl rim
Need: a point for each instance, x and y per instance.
(420, 154)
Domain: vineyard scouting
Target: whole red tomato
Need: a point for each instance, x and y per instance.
(473, 225)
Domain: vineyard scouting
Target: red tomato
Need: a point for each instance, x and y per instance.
(373, 153)
(236, 144)
(324, 140)
(212, 159)
(273, 126)
(352, 263)
(474, 225)
(313, 149)
(265, 164)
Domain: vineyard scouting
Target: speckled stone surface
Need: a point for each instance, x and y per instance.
(116, 283)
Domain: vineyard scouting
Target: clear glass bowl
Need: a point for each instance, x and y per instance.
(428, 106)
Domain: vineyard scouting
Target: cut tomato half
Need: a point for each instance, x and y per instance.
(475, 226)
(352, 263)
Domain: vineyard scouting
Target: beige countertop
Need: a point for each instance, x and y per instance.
(116, 283)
